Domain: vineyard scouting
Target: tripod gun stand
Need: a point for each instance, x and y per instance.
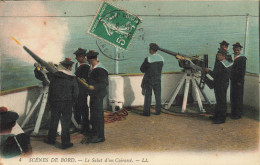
(189, 76)
(192, 66)
(42, 99)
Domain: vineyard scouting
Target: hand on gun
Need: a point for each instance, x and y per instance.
(83, 81)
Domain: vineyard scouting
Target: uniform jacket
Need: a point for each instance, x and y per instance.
(152, 69)
(238, 70)
(82, 72)
(63, 87)
(98, 77)
(221, 73)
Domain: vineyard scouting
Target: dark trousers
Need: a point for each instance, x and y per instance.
(60, 110)
(81, 112)
(97, 116)
(148, 98)
(236, 98)
(221, 102)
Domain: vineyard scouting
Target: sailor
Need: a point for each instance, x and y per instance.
(237, 82)
(13, 140)
(63, 92)
(7, 121)
(221, 75)
(152, 69)
(98, 81)
(80, 57)
(81, 109)
(224, 46)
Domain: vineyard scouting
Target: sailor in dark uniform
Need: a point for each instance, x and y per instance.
(152, 69)
(13, 141)
(221, 75)
(63, 92)
(98, 81)
(81, 109)
(224, 46)
(237, 82)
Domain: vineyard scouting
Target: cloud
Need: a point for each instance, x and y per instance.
(31, 24)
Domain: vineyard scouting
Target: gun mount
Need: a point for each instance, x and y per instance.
(191, 65)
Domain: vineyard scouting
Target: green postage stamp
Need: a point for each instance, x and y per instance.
(114, 25)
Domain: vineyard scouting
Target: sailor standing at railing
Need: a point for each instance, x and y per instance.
(152, 69)
(81, 109)
(237, 82)
(98, 81)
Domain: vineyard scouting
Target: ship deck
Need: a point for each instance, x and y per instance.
(159, 135)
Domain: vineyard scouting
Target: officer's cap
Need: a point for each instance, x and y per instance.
(80, 51)
(67, 61)
(154, 46)
(92, 54)
(7, 116)
(237, 45)
(224, 43)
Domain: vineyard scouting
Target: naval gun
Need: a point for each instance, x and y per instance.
(42, 99)
(192, 65)
(48, 67)
(188, 62)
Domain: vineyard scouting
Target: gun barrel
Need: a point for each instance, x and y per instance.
(173, 53)
(82, 82)
(48, 66)
(40, 61)
(182, 57)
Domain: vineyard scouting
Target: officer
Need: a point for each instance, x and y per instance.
(98, 81)
(63, 92)
(81, 109)
(221, 75)
(152, 69)
(237, 82)
(224, 46)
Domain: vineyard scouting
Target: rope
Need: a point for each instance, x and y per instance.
(111, 117)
